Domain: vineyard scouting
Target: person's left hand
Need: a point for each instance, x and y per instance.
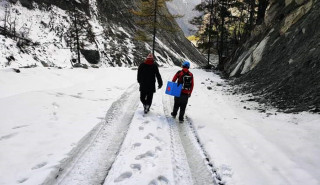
(159, 87)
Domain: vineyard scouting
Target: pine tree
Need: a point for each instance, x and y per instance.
(80, 31)
(151, 16)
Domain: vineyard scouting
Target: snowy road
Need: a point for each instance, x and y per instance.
(75, 126)
(136, 148)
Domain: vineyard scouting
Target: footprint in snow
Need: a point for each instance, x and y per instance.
(136, 145)
(59, 94)
(22, 180)
(55, 105)
(40, 165)
(158, 149)
(20, 126)
(123, 176)
(8, 136)
(135, 167)
(76, 96)
(161, 180)
(145, 155)
(141, 128)
(150, 136)
(226, 170)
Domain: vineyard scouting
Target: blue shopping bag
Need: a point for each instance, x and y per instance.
(173, 89)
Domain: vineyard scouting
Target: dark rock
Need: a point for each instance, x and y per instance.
(16, 70)
(27, 3)
(92, 56)
(95, 66)
(79, 65)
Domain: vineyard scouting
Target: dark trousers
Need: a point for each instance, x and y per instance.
(146, 98)
(180, 102)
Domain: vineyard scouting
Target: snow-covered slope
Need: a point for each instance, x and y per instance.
(45, 24)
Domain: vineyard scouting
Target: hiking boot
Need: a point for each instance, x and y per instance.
(148, 108)
(173, 115)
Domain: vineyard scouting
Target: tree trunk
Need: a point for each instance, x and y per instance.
(210, 30)
(221, 41)
(252, 12)
(263, 4)
(77, 36)
(154, 26)
(5, 20)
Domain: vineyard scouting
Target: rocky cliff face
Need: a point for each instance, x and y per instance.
(46, 22)
(281, 62)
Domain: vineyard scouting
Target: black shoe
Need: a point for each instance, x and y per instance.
(173, 115)
(181, 120)
(145, 109)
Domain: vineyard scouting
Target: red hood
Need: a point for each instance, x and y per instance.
(185, 70)
(149, 61)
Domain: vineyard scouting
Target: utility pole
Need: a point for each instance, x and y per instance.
(154, 25)
(210, 29)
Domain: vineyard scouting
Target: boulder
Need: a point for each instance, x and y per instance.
(27, 3)
(92, 56)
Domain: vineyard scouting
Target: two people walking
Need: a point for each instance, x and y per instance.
(148, 72)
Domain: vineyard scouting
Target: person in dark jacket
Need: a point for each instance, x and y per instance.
(147, 74)
(184, 77)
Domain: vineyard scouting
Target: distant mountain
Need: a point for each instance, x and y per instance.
(184, 7)
(42, 28)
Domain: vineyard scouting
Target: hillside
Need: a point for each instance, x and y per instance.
(42, 28)
(281, 60)
(185, 8)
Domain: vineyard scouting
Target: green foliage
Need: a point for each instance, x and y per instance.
(227, 23)
(144, 18)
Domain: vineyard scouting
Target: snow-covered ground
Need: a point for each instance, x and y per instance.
(76, 126)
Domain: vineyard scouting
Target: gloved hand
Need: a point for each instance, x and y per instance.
(160, 85)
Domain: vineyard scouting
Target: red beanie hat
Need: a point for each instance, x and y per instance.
(150, 56)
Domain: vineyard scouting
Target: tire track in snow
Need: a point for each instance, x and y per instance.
(91, 160)
(199, 160)
(202, 170)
